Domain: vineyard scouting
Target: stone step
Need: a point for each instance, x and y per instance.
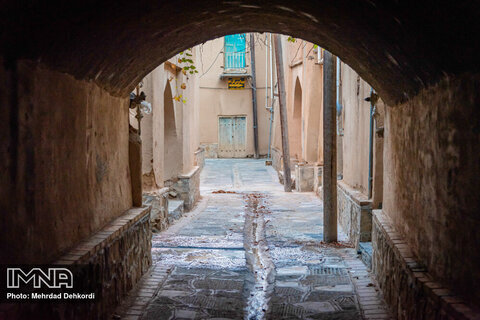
(365, 249)
(175, 210)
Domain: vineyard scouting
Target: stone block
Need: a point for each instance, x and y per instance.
(158, 200)
(366, 253)
(277, 159)
(317, 179)
(199, 157)
(281, 180)
(175, 210)
(188, 188)
(304, 178)
(354, 214)
(211, 150)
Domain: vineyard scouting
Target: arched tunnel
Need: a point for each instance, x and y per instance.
(68, 68)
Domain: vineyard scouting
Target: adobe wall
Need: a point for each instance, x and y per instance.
(313, 97)
(303, 82)
(353, 205)
(377, 166)
(356, 122)
(152, 125)
(431, 169)
(293, 55)
(302, 63)
(168, 76)
(148, 87)
(66, 164)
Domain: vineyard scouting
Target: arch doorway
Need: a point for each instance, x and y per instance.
(172, 140)
(296, 141)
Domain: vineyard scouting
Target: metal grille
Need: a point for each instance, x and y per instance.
(235, 51)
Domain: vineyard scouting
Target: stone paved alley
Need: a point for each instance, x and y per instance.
(251, 251)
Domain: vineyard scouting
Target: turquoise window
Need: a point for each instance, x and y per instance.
(235, 51)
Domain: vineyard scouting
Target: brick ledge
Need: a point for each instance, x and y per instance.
(189, 174)
(87, 248)
(453, 304)
(358, 198)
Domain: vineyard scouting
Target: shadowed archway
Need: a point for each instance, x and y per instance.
(398, 47)
(295, 136)
(173, 143)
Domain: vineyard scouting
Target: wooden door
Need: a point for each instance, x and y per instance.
(232, 137)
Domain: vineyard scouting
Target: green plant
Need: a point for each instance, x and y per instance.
(186, 58)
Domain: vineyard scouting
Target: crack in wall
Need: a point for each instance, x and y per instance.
(260, 282)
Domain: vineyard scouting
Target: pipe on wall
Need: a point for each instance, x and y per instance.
(270, 63)
(339, 103)
(254, 95)
(370, 142)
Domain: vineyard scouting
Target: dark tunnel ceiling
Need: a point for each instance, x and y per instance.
(399, 47)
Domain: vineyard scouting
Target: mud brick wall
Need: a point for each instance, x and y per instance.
(70, 173)
(431, 169)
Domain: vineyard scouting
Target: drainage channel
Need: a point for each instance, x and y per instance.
(261, 280)
(195, 247)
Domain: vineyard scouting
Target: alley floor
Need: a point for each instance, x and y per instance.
(251, 251)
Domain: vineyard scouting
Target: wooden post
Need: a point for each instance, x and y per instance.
(254, 94)
(329, 149)
(135, 163)
(287, 178)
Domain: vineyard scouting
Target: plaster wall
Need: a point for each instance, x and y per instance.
(431, 180)
(293, 54)
(313, 114)
(296, 121)
(217, 100)
(356, 123)
(68, 165)
(304, 83)
(148, 87)
(173, 137)
(152, 127)
(191, 111)
(378, 141)
(161, 85)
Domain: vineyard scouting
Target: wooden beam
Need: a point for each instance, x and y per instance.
(329, 149)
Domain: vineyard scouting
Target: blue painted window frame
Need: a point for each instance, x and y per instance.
(234, 51)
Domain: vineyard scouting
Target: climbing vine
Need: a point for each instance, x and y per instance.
(185, 58)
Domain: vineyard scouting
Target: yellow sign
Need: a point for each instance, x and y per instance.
(236, 83)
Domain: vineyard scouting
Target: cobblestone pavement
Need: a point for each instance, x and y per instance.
(251, 251)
